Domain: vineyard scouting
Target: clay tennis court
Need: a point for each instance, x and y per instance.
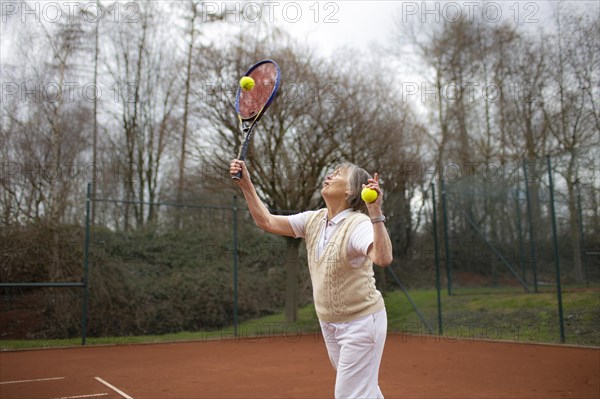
(298, 367)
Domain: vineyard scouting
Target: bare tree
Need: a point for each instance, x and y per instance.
(96, 34)
(317, 120)
(44, 125)
(571, 112)
(546, 104)
(194, 50)
(186, 99)
(144, 68)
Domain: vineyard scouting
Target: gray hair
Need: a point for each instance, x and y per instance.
(357, 176)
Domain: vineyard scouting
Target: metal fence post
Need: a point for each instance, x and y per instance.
(531, 229)
(582, 236)
(556, 259)
(86, 263)
(437, 260)
(234, 210)
(446, 244)
(520, 234)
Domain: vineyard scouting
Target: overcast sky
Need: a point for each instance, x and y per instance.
(325, 25)
(362, 24)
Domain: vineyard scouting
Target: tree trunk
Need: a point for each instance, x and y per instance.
(186, 103)
(292, 265)
(574, 232)
(95, 132)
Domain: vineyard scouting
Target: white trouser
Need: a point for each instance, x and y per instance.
(355, 349)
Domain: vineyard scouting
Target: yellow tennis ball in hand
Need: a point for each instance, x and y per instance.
(247, 83)
(368, 195)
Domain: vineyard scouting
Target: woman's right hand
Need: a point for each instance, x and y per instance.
(235, 167)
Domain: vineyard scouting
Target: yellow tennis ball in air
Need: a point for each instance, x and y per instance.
(247, 83)
(368, 195)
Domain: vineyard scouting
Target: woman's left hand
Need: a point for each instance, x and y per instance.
(374, 207)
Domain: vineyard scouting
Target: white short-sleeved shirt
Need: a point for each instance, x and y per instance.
(358, 245)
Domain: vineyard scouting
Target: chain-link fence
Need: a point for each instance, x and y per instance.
(516, 257)
(186, 268)
(513, 257)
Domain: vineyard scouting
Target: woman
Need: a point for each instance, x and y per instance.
(342, 244)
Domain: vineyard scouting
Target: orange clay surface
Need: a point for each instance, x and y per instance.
(298, 367)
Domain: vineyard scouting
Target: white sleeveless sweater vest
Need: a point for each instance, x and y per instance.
(341, 292)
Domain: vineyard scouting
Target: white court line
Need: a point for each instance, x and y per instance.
(36, 380)
(117, 390)
(83, 396)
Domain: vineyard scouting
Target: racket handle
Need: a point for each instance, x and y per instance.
(241, 157)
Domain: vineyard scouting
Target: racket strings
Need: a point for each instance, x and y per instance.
(252, 101)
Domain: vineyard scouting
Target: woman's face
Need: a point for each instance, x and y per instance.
(335, 184)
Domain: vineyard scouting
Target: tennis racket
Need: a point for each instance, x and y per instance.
(251, 105)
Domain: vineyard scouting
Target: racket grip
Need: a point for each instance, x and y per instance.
(238, 175)
(241, 157)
